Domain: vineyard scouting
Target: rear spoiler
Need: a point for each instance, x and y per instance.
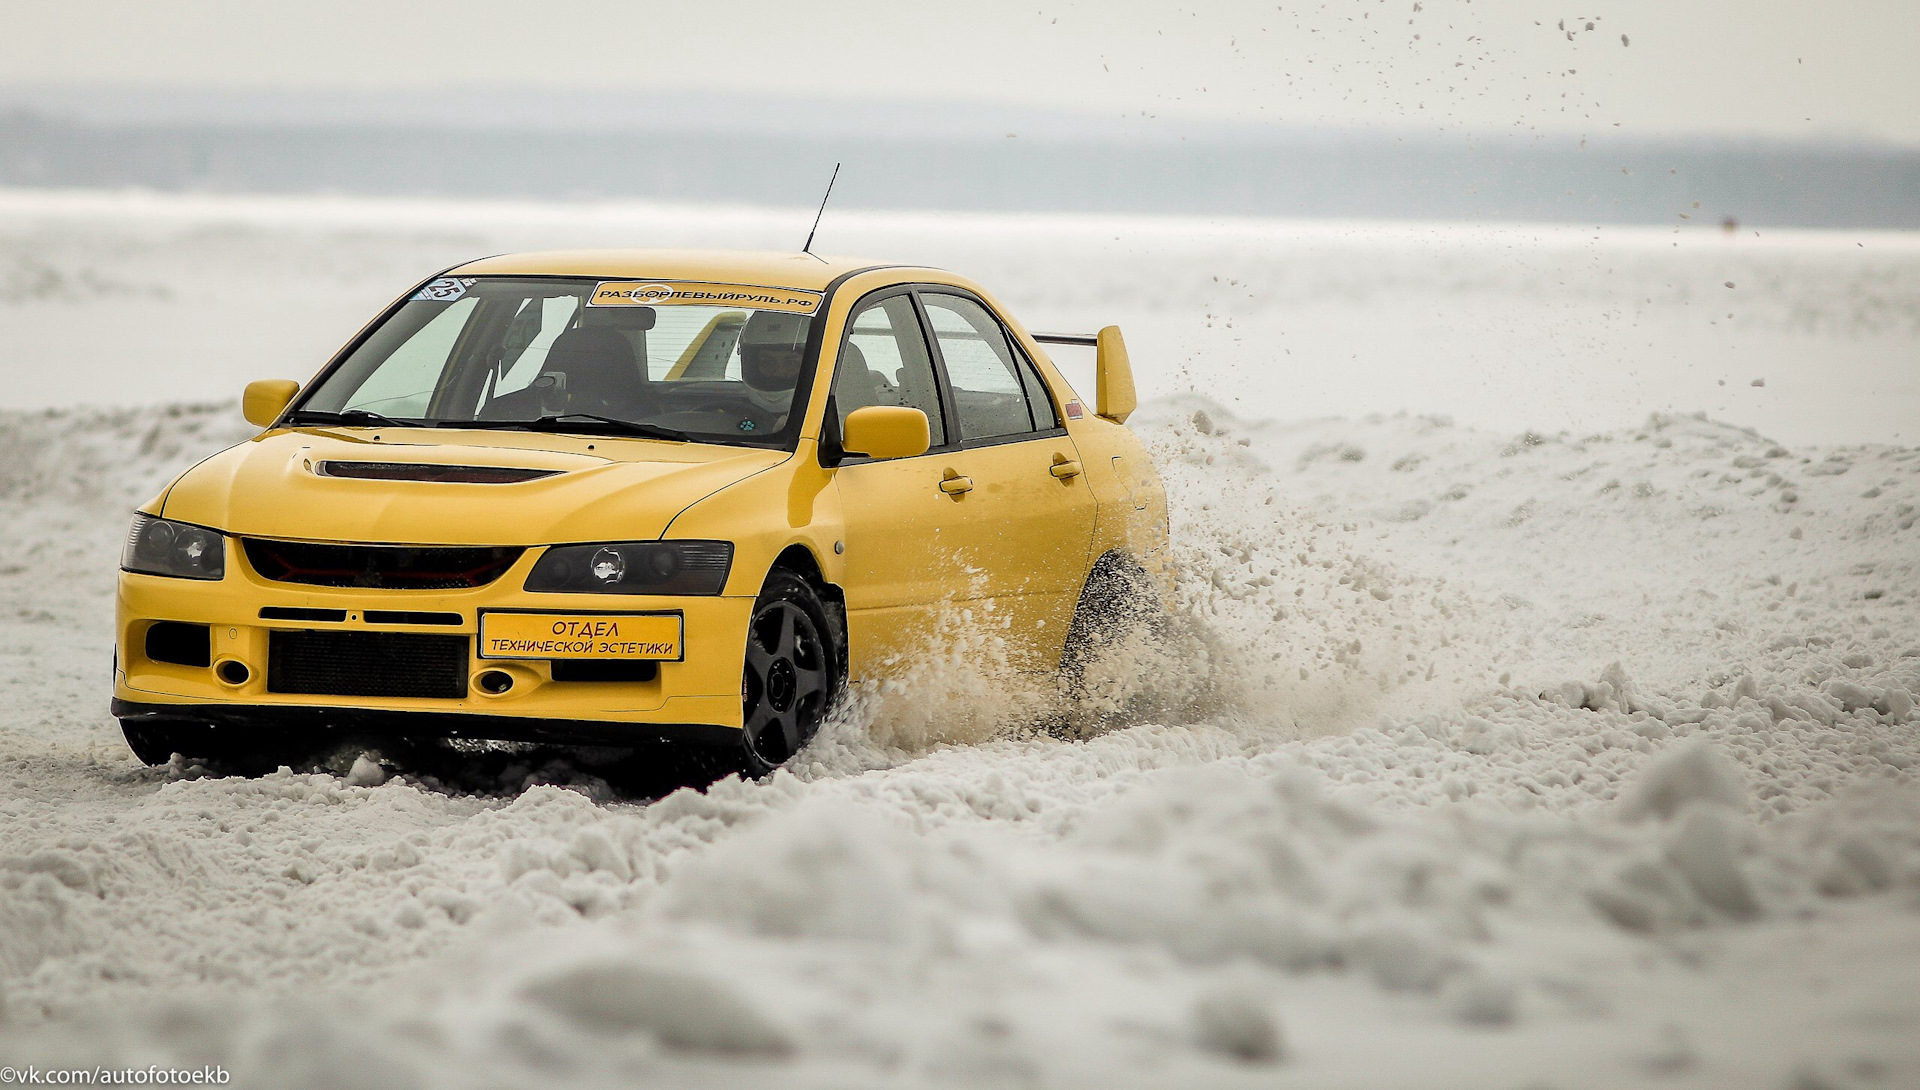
(1114, 397)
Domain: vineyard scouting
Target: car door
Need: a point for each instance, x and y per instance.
(1027, 510)
(899, 527)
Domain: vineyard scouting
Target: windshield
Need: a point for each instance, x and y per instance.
(708, 362)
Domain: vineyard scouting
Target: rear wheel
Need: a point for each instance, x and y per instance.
(791, 675)
(1115, 648)
(1120, 600)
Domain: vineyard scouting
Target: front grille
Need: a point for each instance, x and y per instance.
(386, 567)
(367, 664)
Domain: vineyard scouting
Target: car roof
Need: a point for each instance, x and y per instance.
(765, 268)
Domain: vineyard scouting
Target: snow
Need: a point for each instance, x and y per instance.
(1578, 756)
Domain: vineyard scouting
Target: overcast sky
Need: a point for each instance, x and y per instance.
(1797, 68)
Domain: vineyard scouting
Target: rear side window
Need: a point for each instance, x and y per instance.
(885, 362)
(995, 390)
(1044, 418)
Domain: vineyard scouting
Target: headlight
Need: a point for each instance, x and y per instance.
(164, 547)
(633, 567)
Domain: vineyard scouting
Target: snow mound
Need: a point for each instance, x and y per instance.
(1478, 758)
(108, 456)
(681, 1010)
(1693, 774)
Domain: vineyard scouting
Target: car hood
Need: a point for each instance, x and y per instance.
(281, 484)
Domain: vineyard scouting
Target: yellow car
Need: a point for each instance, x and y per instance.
(613, 497)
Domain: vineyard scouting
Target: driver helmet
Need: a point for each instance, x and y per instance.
(772, 345)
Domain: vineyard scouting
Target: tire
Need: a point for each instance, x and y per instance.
(156, 745)
(1119, 599)
(791, 676)
(225, 748)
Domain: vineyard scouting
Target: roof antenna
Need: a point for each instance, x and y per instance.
(808, 248)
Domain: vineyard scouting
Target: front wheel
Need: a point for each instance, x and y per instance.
(227, 749)
(156, 745)
(791, 675)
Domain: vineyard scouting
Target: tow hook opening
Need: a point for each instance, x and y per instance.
(494, 682)
(232, 672)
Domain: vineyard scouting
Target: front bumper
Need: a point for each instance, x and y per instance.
(699, 694)
(413, 723)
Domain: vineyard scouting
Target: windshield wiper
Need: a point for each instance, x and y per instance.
(361, 418)
(573, 422)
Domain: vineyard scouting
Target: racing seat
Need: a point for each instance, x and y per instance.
(917, 391)
(857, 386)
(603, 377)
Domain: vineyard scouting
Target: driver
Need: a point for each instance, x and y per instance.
(772, 345)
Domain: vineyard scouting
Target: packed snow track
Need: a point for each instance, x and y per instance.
(1580, 757)
(1480, 758)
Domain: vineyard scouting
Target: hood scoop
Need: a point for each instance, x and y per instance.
(435, 473)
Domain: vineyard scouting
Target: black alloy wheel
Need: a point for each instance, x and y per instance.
(791, 675)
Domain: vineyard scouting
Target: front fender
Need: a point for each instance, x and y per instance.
(793, 503)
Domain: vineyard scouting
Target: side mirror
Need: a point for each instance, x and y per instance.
(885, 431)
(266, 399)
(1113, 396)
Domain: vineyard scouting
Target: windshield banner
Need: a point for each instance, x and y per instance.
(666, 293)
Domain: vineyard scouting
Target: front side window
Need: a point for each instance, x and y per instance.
(517, 352)
(885, 362)
(993, 390)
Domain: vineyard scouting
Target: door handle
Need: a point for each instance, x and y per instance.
(954, 484)
(1064, 468)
